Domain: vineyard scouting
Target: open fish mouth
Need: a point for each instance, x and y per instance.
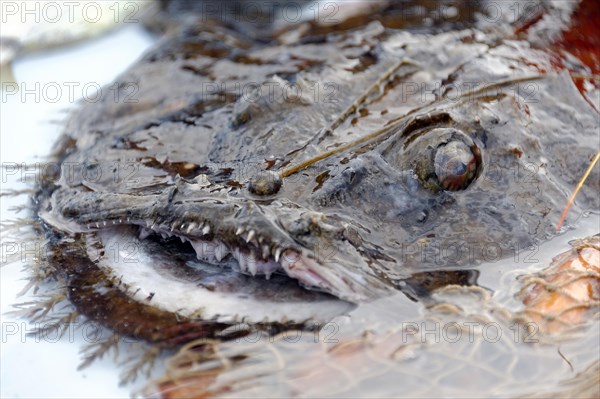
(252, 258)
(201, 270)
(256, 241)
(200, 280)
(192, 257)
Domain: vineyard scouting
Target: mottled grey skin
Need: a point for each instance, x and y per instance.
(185, 152)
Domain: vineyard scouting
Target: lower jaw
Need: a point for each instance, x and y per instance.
(177, 282)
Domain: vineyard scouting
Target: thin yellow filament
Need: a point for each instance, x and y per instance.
(579, 185)
(319, 157)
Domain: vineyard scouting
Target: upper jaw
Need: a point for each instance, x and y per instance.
(262, 240)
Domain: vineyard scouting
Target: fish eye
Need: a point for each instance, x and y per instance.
(455, 165)
(442, 158)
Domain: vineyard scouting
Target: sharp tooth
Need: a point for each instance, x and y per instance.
(182, 226)
(277, 254)
(268, 275)
(221, 250)
(251, 235)
(251, 262)
(265, 252)
(239, 231)
(121, 221)
(242, 261)
(198, 247)
(206, 230)
(218, 254)
(97, 225)
(173, 226)
(211, 248)
(191, 227)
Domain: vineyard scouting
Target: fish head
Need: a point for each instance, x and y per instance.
(347, 164)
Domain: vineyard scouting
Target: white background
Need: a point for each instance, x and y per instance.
(29, 126)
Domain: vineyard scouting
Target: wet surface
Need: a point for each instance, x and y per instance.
(426, 163)
(460, 341)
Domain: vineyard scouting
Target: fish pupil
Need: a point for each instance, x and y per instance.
(455, 165)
